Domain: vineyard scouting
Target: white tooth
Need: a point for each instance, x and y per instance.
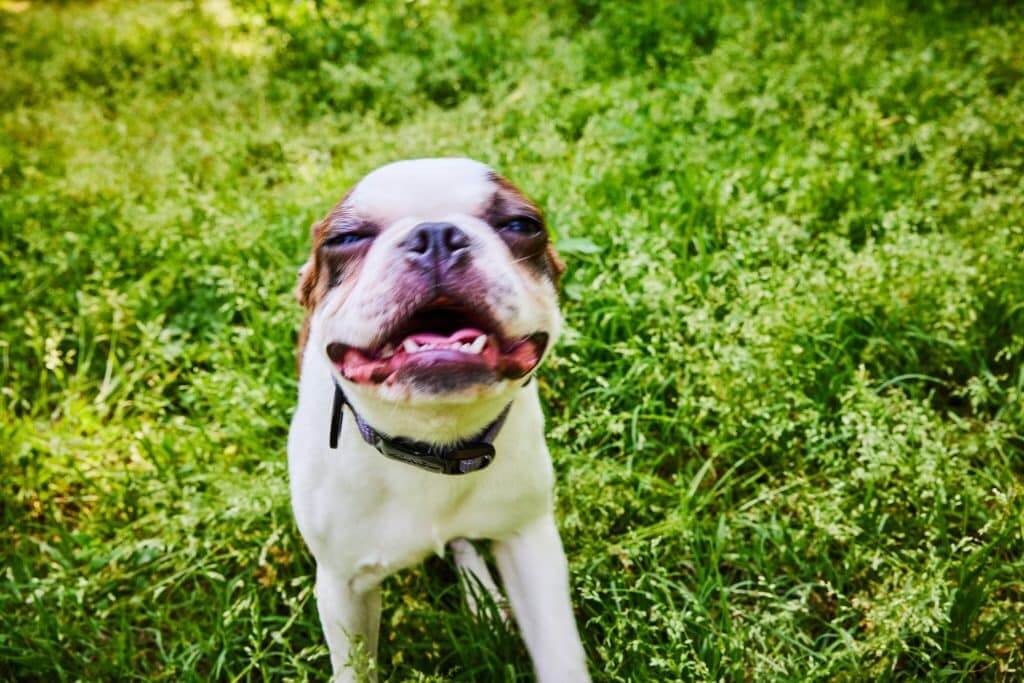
(478, 344)
(387, 351)
(465, 348)
(410, 346)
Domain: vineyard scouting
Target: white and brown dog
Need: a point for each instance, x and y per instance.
(431, 297)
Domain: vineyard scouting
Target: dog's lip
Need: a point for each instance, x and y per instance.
(505, 359)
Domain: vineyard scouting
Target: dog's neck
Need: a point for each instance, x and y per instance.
(437, 423)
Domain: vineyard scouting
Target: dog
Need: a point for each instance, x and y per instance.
(431, 296)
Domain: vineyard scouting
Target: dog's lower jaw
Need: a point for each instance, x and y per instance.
(364, 517)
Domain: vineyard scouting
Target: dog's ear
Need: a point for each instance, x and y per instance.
(555, 263)
(309, 274)
(303, 289)
(308, 290)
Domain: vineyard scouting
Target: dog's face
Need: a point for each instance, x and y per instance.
(433, 279)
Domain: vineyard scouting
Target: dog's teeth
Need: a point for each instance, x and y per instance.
(387, 351)
(478, 344)
(411, 346)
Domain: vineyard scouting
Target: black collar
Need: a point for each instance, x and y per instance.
(464, 457)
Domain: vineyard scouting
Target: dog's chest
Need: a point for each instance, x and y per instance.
(361, 512)
(369, 516)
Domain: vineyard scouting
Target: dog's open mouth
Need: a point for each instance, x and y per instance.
(441, 338)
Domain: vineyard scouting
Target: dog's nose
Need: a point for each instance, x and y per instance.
(436, 245)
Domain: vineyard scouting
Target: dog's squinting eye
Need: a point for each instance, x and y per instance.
(521, 225)
(346, 239)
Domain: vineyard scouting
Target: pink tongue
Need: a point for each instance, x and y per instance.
(466, 334)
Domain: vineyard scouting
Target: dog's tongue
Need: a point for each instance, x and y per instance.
(466, 334)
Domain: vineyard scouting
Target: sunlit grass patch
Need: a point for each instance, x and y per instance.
(786, 414)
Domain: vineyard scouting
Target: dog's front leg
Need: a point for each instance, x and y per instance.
(536, 575)
(350, 616)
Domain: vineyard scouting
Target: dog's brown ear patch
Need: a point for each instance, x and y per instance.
(555, 263)
(311, 288)
(304, 287)
(313, 280)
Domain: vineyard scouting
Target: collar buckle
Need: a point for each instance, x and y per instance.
(462, 460)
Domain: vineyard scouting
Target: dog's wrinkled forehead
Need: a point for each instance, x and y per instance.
(428, 189)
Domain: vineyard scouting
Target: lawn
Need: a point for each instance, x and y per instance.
(787, 415)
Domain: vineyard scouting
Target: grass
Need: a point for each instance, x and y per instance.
(788, 413)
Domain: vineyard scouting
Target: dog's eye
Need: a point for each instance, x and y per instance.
(346, 239)
(521, 225)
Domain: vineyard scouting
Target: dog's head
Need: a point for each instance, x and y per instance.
(432, 280)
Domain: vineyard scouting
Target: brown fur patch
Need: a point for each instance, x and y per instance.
(508, 201)
(315, 275)
(556, 262)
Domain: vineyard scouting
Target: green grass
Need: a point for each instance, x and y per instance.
(788, 412)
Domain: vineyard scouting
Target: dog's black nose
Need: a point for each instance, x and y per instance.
(436, 245)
